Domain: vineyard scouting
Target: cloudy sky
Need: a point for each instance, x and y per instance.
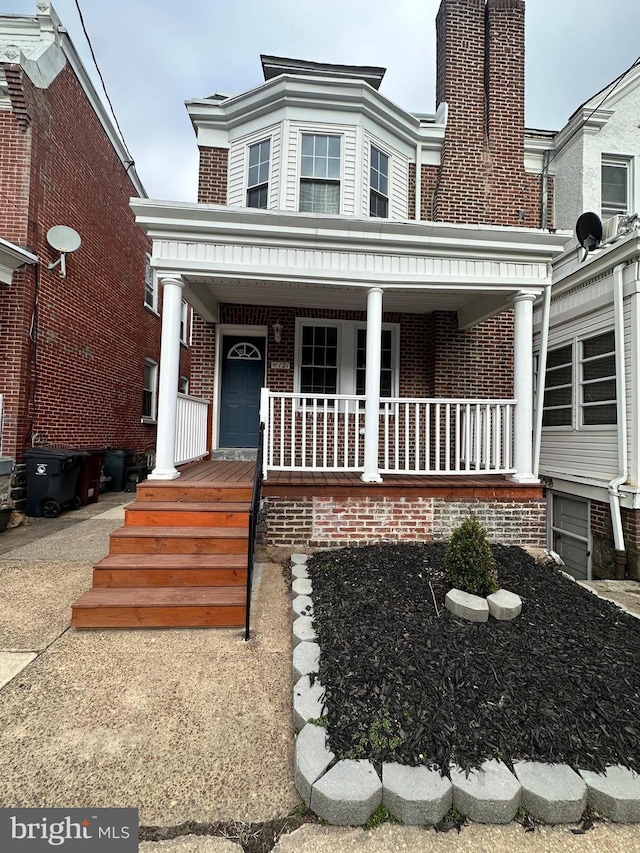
(156, 54)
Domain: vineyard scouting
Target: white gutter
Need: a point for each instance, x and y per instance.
(542, 370)
(621, 392)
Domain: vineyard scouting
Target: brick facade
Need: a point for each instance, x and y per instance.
(213, 175)
(72, 350)
(603, 564)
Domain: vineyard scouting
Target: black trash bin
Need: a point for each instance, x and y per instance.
(116, 462)
(52, 479)
(89, 478)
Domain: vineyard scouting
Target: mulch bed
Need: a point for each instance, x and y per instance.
(561, 683)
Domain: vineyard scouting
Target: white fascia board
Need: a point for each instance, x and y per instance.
(328, 95)
(569, 271)
(534, 147)
(616, 90)
(582, 121)
(13, 257)
(186, 221)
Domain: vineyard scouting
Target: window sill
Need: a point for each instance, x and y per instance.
(152, 310)
(150, 421)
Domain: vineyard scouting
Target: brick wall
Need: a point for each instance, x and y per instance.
(78, 379)
(213, 175)
(336, 522)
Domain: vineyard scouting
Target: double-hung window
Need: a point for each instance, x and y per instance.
(150, 286)
(184, 323)
(386, 362)
(149, 392)
(615, 186)
(258, 178)
(580, 383)
(319, 360)
(378, 184)
(320, 173)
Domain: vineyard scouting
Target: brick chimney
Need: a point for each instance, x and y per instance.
(480, 74)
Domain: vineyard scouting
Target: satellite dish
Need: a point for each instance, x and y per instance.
(589, 232)
(63, 239)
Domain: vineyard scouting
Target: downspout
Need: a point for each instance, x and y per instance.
(418, 192)
(621, 391)
(542, 372)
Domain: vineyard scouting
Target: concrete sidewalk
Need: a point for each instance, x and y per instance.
(185, 725)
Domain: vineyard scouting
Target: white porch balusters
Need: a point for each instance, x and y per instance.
(168, 385)
(523, 389)
(371, 473)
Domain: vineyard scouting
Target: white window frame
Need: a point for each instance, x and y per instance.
(150, 418)
(577, 403)
(347, 349)
(582, 382)
(183, 385)
(616, 160)
(372, 189)
(312, 131)
(184, 323)
(266, 184)
(150, 286)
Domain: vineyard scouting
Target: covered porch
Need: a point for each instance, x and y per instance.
(373, 273)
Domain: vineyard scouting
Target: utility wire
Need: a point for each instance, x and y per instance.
(95, 62)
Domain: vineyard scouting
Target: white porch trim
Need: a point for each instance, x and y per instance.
(523, 388)
(371, 473)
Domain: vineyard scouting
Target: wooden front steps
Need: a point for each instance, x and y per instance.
(180, 560)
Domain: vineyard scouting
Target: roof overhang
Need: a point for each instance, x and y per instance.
(13, 257)
(248, 256)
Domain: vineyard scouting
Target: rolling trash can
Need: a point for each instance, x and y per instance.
(89, 478)
(116, 462)
(52, 480)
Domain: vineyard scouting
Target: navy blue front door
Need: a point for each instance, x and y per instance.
(242, 379)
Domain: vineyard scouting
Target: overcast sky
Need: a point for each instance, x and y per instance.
(156, 54)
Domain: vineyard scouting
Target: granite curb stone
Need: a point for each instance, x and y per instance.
(301, 586)
(306, 659)
(303, 630)
(299, 559)
(504, 605)
(299, 570)
(308, 701)
(551, 793)
(614, 793)
(312, 757)
(302, 605)
(347, 794)
(470, 607)
(491, 794)
(415, 795)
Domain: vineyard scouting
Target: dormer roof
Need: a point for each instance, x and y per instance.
(274, 66)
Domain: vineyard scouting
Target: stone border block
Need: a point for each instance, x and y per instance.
(303, 630)
(504, 605)
(308, 701)
(312, 757)
(301, 586)
(614, 793)
(298, 559)
(306, 660)
(467, 606)
(415, 795)
(489, 795)
(551, 793)
(302, 606)
(299, 571)
(347, 794)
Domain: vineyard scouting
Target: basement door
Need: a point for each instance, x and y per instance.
(570, 533)
(242, 379)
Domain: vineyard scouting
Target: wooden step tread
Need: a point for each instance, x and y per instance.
(179, 596)
(172, 561)
(189, 506)
(180, 533)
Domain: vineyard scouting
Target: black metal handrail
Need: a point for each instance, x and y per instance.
(254, 512)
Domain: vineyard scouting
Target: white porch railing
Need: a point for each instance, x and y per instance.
(192, 418)
(325, 432)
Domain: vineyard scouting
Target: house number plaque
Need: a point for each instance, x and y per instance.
(280, 365)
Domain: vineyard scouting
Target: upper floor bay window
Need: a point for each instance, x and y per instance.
(258, 179)
(320, 173)
(615, 185)
(379, 184)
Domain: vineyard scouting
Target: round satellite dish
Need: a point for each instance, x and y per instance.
(589, 231)
(63, 239)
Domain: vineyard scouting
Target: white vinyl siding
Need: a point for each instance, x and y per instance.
(239, 165)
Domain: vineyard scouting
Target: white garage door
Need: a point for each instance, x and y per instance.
(570, 533)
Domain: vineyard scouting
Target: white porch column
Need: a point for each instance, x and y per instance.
(168, 384)
(523, 389)
(372, 386)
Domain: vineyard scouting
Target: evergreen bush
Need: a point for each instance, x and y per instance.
(468, 560)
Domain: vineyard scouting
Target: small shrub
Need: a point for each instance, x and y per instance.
(468, 560)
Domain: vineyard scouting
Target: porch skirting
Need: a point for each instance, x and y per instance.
(338, 521)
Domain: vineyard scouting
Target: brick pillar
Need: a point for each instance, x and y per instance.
(213, 175)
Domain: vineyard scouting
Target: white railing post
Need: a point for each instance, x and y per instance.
(523, 389)
(165, 468)
(371, 473)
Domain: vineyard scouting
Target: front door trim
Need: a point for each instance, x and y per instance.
(223, 329)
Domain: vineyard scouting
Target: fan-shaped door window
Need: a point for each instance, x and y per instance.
(245, 351)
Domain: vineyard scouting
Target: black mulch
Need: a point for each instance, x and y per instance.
(561, 683)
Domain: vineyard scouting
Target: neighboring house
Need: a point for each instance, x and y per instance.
(590, 448)
(374, 273)
(78, 355)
